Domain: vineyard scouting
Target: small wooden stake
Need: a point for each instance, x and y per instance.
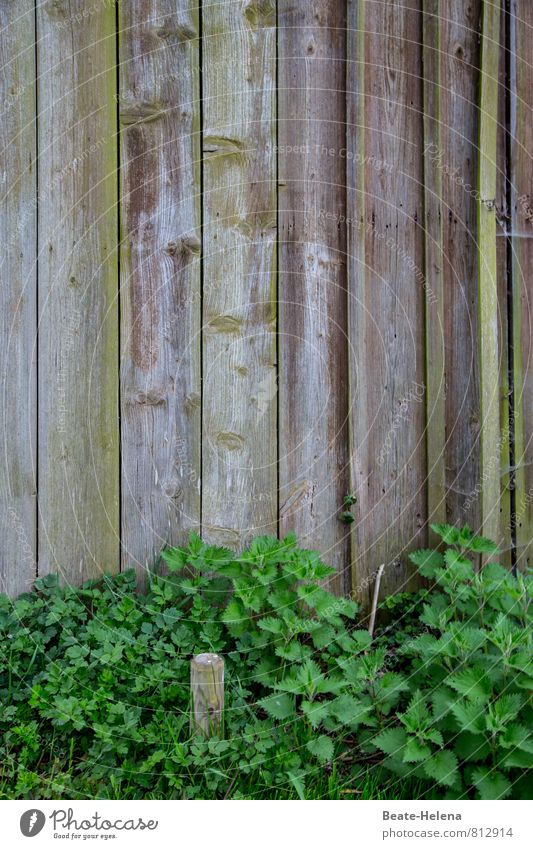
(375, 600)
(207, 687)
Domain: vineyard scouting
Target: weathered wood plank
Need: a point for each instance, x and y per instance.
(18, 306)
(239, 473)
(78, 289)
(458, 162)
(521, 85)
(386, 289)
(434, 251)
(312, 285)
(502, 256)
(487, 272)
(160, 276)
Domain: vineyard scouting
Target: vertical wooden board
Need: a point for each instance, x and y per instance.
(458, 162)
(386, 290)
(433, 260)
(239, 474)
(312, 283)
(17, 297)
(502, 226)
(487, 273)
(160, 276)
(521, 84)
(78, 288)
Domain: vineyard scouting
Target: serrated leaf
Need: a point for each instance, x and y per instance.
(427, 561)
(391, 741)
(470, 716)
(316, 712)
(471, 747)
(442, 767)
(517, 736)
(448, 533)
(271, 624)
(482, 545)
(459, 567)
(517, 759)
(321, 748)
(349, 710)
(362, 640)
(472, 683)
(415, 751)
(490, 784)
(279, 706)
(234, 614)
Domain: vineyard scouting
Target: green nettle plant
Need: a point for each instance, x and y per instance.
(470, 675)
(95, 691)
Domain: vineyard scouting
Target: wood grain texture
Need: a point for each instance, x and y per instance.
(521, 85)
(160, 276)
(487, 273)
(386, 289)
(503, 224)
(458, 162)
(18, 294)
(207, 691)
(239, 271)
(433, 259)
(78, 288)
(312, 284)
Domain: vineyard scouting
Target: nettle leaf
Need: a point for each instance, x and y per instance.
(349, 710)
(471, 747)
(519, 759)
(321, 748)
(294, 651)
(323, 636)
(506, 708)
(264, 671)
(517, 736)
(417, 715)
(473, 683)
(279, 706)
(470, 716)
(437, 614)
(482, 545)
(459, 568)
(316, 712)
(490, 783)
(362, 640)
(442, 767)
(390, 685)
(416, 751)
(235, 616)
(427, 561)
(391, 741)
(448, 533)
(271, 624)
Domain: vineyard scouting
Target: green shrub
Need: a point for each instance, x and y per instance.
(467, 723)
(95, 692)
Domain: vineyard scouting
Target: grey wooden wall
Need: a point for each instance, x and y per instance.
(257, 255)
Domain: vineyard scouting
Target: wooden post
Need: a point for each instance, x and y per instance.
(375, 600)
(207, 687)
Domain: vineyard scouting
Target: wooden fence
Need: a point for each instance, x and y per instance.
(257, 255)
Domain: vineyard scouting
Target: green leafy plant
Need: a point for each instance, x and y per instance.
(346, 514)
(94, 681)
(470, 675)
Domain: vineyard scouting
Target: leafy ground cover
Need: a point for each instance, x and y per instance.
(94, 681)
